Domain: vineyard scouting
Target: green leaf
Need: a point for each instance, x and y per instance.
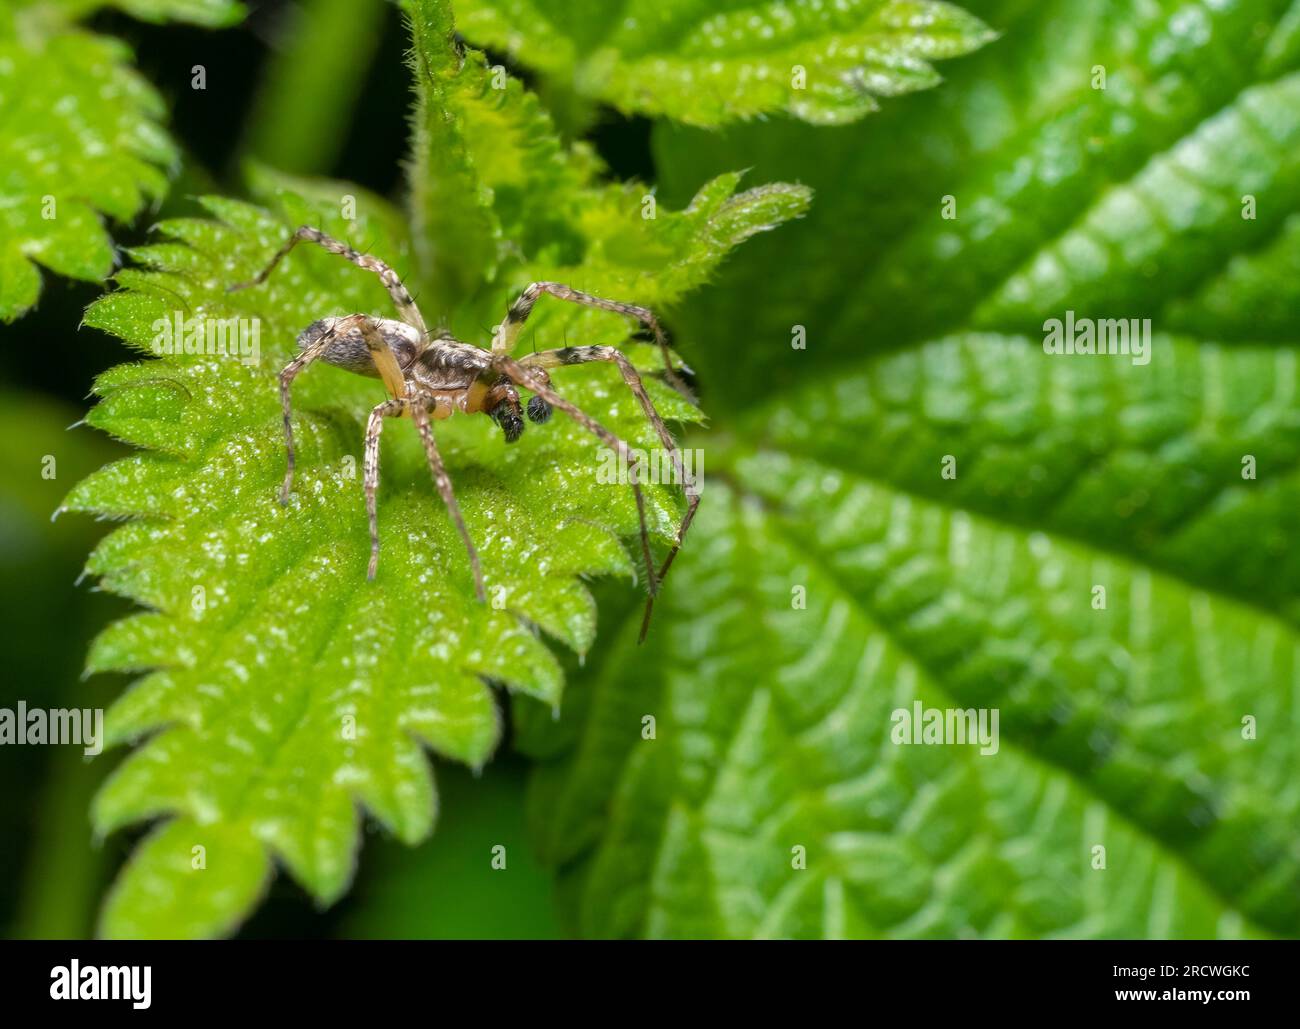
(81, 139)
(283, 692)
(836, 576)
(710, 63)
(489, 176)
(1061, 185)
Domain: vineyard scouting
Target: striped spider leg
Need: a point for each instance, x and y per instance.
(530, 372)
(402, 298)
(503, 339)
(419, 410)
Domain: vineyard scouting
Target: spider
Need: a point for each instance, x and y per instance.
(431, 376)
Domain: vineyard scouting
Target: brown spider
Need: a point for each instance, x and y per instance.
(436, 375)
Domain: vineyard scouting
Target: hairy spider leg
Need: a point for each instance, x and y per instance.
(442, 480)
(370, 473)
(505, 335)
(383, 356)
(402, 298)
(536, 380)
(419, 411)
(287, 375)
(583, 355)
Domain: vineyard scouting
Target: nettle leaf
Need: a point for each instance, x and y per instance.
(839, 576)
(82, 139)
(490, 178)
(709, 63)
(283, 692)
(495, 192)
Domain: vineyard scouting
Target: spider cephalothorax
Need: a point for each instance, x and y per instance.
(431, 376)
(455, 376)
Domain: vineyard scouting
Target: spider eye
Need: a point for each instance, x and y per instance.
(538, 410)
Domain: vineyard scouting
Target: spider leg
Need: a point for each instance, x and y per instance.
(375, 426)
(536, 380)
(503, 339)
(383, 356)
(420, 414)
(402, 298)
(380, 352)
(287, 375)
(584, 355)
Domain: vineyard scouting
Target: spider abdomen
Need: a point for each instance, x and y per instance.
(348, 348)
